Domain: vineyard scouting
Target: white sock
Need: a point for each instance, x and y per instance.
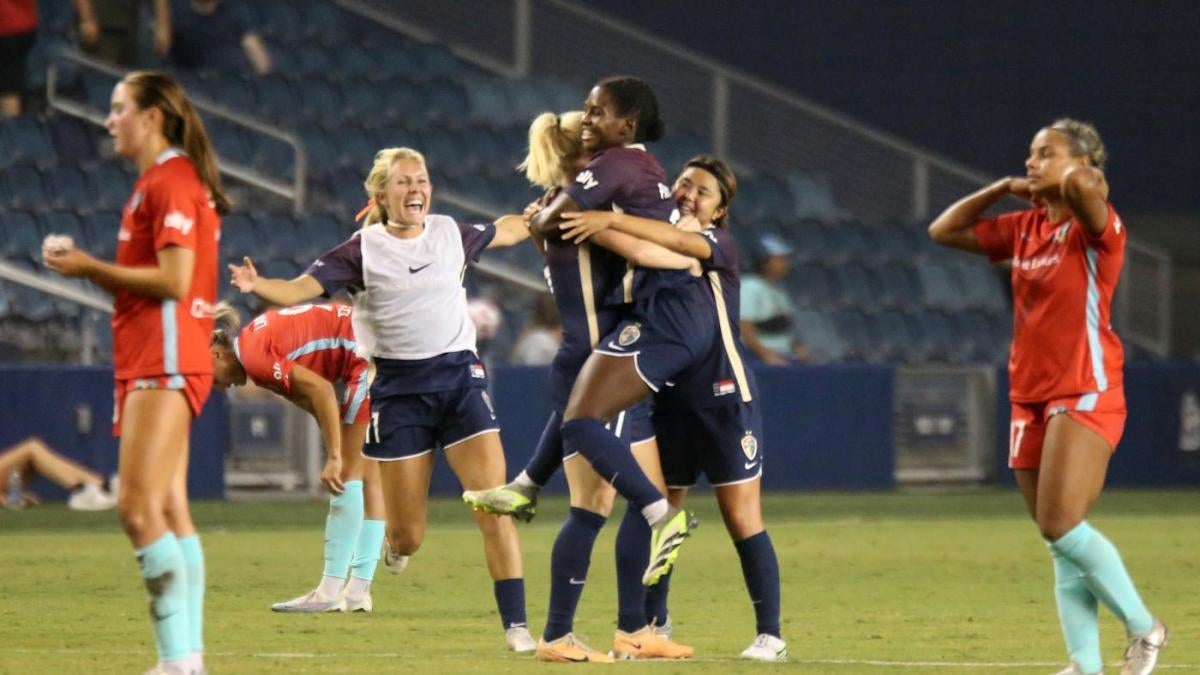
(655, 512)
(330, 587)
(523, 480)
(197, 663)
(356, 588)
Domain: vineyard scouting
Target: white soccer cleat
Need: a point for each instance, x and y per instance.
(1074, 669)
(766, 648)
(394, 563)
(310, 603)
(518, 640)
(1142, 654)
(358, 603)
(183, 667)
(91, 498)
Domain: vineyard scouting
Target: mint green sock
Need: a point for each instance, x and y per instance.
(1105, 575)
(366, 553)
(163, 570)
(1077, 614)
(193, 560)
(341, 529)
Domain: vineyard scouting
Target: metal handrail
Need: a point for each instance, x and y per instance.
(54, 287)
(296, 192)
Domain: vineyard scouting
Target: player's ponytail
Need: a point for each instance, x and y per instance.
(228, 322)
(375, 184)
(727, 182)
(555, 141)
(182, 126)
(633, 96)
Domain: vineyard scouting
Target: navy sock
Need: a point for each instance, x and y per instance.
(633, 552)
(611, 459)
(656, 600)
(510, 600)
(569, 561)
(548, 455)
(760, 568)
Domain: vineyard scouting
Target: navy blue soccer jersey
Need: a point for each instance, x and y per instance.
(630, 180)
(722, 376)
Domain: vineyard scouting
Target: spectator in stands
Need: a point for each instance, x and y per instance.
(203, 29)
(109, 29)
(18, 32)
(539, 340)
(32, 457)
(767, 309)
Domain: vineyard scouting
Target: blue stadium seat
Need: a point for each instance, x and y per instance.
(940, 288)
(281, 22)
(22, 187)
(66, 187)
(813, 286)
(238, 237)
(900, 288)
(982, 286)
(65, 223)
(74, 138)
(109, 186)
(819, 336)
(276, 97)
(323, 103)
(20, 237)
(854, 333)
(102, 227)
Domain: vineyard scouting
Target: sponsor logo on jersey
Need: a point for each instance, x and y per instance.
(414, 270)
(750, 446)
(177, 221)
(1036, 263)
(629, 335)
(587, 179)
(477, 371)
(724, 388)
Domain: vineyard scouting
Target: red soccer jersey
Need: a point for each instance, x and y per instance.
(170, 206)
(1063, 279)
(318, 337)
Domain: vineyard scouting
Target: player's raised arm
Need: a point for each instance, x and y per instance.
(1085, 191)
(953, 227)
(282, 292)
(511, 230)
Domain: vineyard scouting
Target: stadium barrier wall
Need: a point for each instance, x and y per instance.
(1161, 444)
(70, 408)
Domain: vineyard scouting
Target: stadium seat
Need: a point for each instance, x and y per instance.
(20, 238)
(65, 187)
(26, 143)
(74, 139)
(22, 188)
(109, 186)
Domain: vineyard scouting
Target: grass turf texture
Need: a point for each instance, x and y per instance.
(918, 581)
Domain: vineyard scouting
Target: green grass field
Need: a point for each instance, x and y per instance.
(872, 583)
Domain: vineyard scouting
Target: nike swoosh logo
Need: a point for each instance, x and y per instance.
(577, 582)
(612, 345)
(750, 465)
(414, 270)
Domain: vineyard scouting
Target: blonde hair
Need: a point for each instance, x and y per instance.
(1085, 140)
(376, 182)
(181, 126)
(553, 141)
(228, 322)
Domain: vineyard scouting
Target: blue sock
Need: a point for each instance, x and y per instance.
(341, 529)
(760, 568)
(163, 570)
(193, 561)
(1077, 614)
(510, 600)
(569, 562)
(548, 454)
(656, 600)
(366, 551)
(1105, 575)
(611, 459)
(632, 552)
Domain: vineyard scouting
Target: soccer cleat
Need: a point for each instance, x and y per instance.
(667, 630)
(666, 536)
(766, 648)
(518, 640)
(172, 668)
(1142, 653)
(646, 643)
(91, 498)
(511, 499)
(1074, 669)
(310, 603)
(568, 649)
(394, 563)
(358, 603)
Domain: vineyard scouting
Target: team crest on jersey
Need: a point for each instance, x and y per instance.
(750, 446)
(477, 371)
(629, 335)
(724, 388)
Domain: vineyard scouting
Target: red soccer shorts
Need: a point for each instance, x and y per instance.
(1103, 413)
(194, 387)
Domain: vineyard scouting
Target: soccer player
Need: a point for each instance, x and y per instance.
(404, 269)
(298, 353)
(1065, 369)
(709, 420)
(164, 284)
(555, 157)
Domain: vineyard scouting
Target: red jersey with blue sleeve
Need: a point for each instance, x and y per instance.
(629, 180)
(170, 206)
(1063, 280)
(319, 337)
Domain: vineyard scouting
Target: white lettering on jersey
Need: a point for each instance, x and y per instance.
(259, 323)
(277, 371)
(177, 221)
(1029, 264)
(675, 216)
(587, 179)
(711, 237)
(481, 228)
(664, 192)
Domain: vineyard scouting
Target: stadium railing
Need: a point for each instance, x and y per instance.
(1142, 307)
(295, 192)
